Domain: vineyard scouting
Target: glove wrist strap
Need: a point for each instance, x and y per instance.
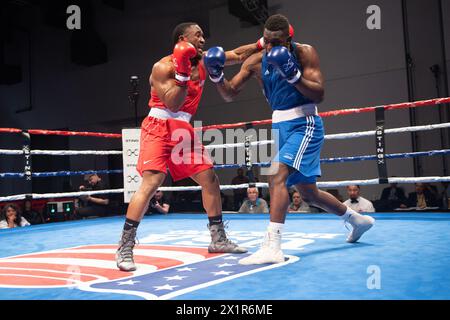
(260, 44)
(182, 78)
(217, 79)
(295, 78)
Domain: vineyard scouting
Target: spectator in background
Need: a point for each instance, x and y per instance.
(158, 204)
(225, 205)
(10, 217)
(298, 205)
(433, 190)
(356, 202)
(32, 216)
(254, 204)
(393, 197)
(97, 205)
(239, 194)
(422, 198)
(445, 196)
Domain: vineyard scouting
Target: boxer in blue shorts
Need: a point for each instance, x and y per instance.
(290, 75)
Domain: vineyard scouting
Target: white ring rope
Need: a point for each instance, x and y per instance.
(60, 195)
(351, 135)
(238, 145)
(338, 136)
(73, 152)
(11, 152)
(342, 136)
(326, 184)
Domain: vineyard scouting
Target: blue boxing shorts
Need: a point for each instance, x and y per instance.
(300, 143)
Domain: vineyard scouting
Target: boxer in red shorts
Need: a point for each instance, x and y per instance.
(176, 89)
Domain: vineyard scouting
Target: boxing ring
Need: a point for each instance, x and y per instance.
(405, 255)
(410, 252)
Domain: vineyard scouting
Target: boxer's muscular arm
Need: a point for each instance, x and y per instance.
(100, 201)
(311, 84)
(162, 80)
(240, 54)
(229, 89)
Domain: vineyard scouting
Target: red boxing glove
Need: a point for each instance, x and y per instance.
(182, 54)
(260, 44)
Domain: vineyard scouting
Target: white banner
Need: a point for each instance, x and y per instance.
(130, 154)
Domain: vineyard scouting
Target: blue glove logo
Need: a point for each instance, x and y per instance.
(288, 66)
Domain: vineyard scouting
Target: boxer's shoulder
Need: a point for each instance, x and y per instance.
(163, 68)
(305, 50)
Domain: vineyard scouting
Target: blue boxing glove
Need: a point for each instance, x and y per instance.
(282, 59)
(214, 61)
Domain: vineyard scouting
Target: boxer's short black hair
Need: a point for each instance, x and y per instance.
(180, 30)
(277, 22)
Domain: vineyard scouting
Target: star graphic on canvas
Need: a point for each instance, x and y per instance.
(175, 278)
(164, 287)
(185, 269)
(129, 282)
(225, 265)
(230, 258)
(225, 273)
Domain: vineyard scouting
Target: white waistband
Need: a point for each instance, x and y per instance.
(294, 113)
(167, 114)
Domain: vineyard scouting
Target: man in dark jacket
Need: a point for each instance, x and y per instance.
(393, 197)
(422, 198)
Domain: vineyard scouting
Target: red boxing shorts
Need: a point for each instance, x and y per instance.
(172, 144)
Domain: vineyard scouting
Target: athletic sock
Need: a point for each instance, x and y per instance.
(130, 224)
(348, 213)
(215, 220)
(276, 228)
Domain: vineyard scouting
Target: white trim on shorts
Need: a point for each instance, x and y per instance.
(167, 114)
(294, 113)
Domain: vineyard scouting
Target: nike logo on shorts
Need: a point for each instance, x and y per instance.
(148, 161)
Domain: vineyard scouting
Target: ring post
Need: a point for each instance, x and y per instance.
(27, 169)
(380, 145)
(248, 157)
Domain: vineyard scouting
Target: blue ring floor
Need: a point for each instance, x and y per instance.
(404, 256)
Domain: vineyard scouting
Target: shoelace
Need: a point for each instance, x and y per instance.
(223, 237)
(126, 249)
(268, 241)
(347, 224)
(127, 254)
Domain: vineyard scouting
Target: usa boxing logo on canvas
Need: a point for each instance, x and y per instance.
(163, 271)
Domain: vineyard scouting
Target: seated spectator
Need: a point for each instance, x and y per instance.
(393, 197)
(97, 205)
(158, 204)
(298, 205)
(10, 217)
(422, 198)
(32, 216)
(445, 196)
(254, 204)
(433, 189)
(356, 202)
(239, 194)
(224, 198)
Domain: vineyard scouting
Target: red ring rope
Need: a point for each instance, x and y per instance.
(74, 133)
(347, 111)
(403, 105)
(10, 130)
